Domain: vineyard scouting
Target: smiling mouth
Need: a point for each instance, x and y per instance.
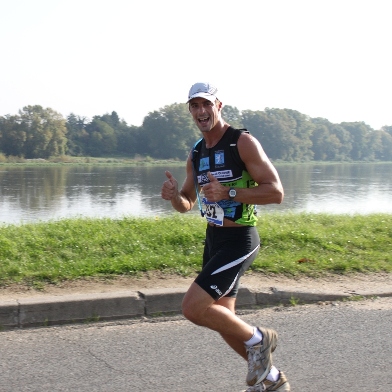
(203, 120)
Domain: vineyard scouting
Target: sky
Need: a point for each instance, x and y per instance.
(324, 58)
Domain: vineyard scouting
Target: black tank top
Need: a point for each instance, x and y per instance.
(224, 163)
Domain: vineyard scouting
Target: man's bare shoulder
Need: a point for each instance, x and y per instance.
(247, 141)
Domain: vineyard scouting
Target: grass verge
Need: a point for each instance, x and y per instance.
(293, 244)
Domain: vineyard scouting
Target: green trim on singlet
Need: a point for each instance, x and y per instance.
(248, 216)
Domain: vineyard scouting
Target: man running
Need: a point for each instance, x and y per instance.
(228, 174)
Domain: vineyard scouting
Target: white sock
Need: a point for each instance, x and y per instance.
(256, 338)
(273, 375)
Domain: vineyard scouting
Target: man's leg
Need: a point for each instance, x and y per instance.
(201, 309)
(276, 379)
(237, 345)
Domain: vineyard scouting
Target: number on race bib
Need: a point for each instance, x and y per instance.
(211, 211)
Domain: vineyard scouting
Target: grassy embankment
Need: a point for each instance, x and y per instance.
(293, 244)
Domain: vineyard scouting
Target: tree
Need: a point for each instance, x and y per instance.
(256, 123)
(344, 150)
(283, 133)
(45, 132)
(127, 139)
(320, 138)
(102, 139)
(126, 136)
(380, 144)
(112, 119)
(233, 116)
(386, 141)
(34, 133)
(330, 141)
(387, 129)
(359, 133)
(170, 132)
(301, 135)
(12, 135)
(77, 135)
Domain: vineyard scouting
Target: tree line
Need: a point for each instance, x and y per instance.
(169, 133)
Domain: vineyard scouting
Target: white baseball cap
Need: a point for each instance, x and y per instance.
(203, 90)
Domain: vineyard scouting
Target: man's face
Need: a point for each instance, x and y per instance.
(204, 113)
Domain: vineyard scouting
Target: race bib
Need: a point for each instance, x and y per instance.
(213, 212)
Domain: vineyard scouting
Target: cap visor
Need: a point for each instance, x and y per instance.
(211, 98)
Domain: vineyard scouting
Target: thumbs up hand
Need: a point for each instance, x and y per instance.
(170, 187)
(214, 190)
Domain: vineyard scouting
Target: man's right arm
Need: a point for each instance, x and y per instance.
(182, 200)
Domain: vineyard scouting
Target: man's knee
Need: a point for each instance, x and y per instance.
(191, 314)
(195, 304)
(192, 310)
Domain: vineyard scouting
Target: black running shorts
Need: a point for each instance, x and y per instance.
(228, 253)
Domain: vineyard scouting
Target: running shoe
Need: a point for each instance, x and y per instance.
(282, 385)
(255, 388)
(260, 358)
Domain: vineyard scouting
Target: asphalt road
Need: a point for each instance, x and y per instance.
(329, 348)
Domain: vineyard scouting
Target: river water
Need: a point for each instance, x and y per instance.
(45, 193)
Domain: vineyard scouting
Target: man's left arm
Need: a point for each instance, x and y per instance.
(269, 189)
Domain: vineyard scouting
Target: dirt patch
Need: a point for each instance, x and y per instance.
(361, 284)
